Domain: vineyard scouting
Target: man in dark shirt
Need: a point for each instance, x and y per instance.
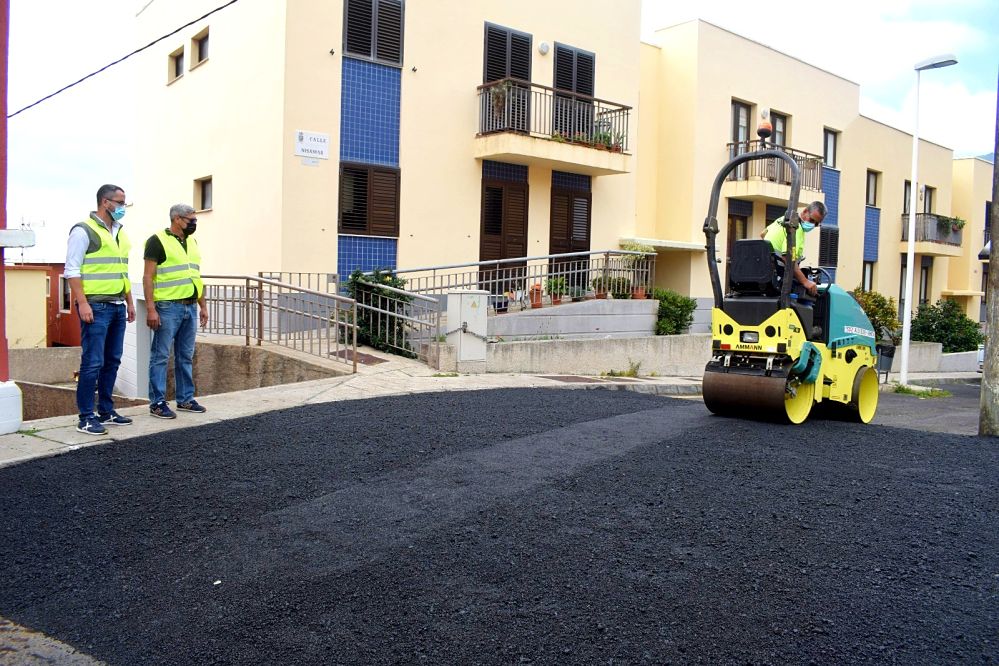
(171, 280)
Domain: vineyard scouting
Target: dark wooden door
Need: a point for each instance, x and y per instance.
(503, 234)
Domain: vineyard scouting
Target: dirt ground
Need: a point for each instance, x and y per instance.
(513, 526)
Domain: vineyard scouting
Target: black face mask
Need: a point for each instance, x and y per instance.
(190, 229)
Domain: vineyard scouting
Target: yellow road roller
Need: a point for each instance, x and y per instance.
(775, 354)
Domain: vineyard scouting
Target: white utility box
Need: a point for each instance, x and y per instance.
(466, 323)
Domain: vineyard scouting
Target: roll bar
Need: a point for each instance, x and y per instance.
(790, 220)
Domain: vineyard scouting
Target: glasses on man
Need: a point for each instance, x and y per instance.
(115, 201)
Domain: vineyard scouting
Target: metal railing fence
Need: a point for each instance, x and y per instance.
(398, 320)
(514, 105)
(325, 282)
(512, 282)
(933, 228)
(307, 320)
(775, 170)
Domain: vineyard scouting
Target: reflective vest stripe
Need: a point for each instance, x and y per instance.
(161, 284)
(172, 269)
(100, 276)
(105, 260)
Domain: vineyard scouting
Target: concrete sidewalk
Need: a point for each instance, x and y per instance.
(393, 376)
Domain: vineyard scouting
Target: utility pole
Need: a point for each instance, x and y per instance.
(988, 420)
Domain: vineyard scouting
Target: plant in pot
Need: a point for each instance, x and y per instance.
(499, 93)
(556, 288)
(620, 287)
(601, 285)
(639, 265)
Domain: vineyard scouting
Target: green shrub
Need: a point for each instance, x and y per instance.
(380, 329)
(676, 312)
(946, 323)
(882, 313)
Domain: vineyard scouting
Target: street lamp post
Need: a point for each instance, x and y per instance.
(910, 258)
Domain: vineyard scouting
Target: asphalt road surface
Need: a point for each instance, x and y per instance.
(513, 526)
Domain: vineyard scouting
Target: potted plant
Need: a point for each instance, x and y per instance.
(499, 93)
(620, 287)
(535, 295)
(639, 267)
(600, 286)
(556, 288)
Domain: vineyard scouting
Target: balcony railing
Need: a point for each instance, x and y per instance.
(932, 228)
(513, 105)
(774, 170)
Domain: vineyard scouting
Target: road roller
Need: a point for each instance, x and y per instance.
(777, 354)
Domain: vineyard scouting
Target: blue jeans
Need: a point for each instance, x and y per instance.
(102, 342)
(178, 324)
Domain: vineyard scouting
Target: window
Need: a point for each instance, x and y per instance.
(924, 281)
(928, 197)
(828, 246)
(203, 193)
(867, 279)
(65, 297)
(369, 200)
(831, 137)
(779, 122)
(574, 72)
(740, 135)
(176, 65)
(906, 197)
(372, 29)
(199, 47)
(508, 55)
(872, 188)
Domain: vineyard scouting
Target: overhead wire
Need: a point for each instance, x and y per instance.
(122, 59)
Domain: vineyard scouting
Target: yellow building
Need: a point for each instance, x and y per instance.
(322, 136)
(26, 294)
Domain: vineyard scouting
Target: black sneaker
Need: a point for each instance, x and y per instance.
(114, 418)
(91, 426)
(161, 410)
(192, 406)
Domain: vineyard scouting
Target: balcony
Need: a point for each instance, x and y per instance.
(936, 235)
(527, 123)
(770, 180)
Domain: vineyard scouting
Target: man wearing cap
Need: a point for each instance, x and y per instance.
(171, 279)
(775, 234)
(97, 271)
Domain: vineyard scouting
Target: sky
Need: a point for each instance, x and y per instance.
(60, 151)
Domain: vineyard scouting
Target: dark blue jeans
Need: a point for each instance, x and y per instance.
(178, 325)
(102, 343)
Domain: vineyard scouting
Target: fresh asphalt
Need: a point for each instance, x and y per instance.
(516, 526)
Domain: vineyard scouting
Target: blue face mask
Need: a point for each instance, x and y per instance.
(807, 226)
(118, 213)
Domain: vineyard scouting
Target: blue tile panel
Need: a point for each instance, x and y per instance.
(366, 253)
(872, 226)
(570, 181)
(369, 108)
(740, 207)
(830, 185)
(513, 173)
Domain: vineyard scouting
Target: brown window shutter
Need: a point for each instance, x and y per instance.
(388, 42)
(384, 219)
(560, 222)
(358, 27)
(496, 54)
(353, 200)
(515, 220)
(581, 219)
(520, 56)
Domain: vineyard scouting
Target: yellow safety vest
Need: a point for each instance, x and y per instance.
(181, 269)
(777, 237)
(104, 271)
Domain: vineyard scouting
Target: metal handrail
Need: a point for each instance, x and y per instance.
(515, 105)
(540, 257)
(932, 228)
(261, 312)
